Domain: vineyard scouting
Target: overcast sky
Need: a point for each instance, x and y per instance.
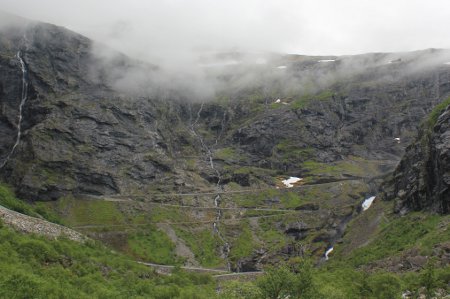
(174, 28)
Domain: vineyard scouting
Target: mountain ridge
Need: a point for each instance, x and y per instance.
(89, 131)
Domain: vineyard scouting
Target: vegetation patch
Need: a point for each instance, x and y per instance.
(204, 244)
(89, 212)
(153, 245)
(35, 267)
(9, 200)
(168, 214)
(226, 153)
(287, 152)
(305, 100)
(413, 230)
(437, 110)
(243, 245)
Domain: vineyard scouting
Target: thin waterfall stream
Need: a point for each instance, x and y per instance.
(217, 198)
(23, 100)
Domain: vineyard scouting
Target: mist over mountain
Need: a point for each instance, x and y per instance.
(241, 162)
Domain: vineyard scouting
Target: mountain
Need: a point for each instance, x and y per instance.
(79, 131)
(171, 172)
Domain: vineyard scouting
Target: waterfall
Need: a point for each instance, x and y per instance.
(216, 224)
(329, 250)
(22, 103)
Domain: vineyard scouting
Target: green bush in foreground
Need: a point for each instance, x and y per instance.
(35, 267)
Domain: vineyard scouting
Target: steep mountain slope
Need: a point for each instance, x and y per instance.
(421, 181)
(77, 134)
(129, 160)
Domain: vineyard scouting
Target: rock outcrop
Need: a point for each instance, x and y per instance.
(78, 135)
(422, 179)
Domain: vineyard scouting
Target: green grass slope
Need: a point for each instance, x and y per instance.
(33, 266)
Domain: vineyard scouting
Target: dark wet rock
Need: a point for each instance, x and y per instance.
(326, 236)
(297, 230)
(293, 249)
(273, 200)
(253, 263)
(308, 207)
(242, 179)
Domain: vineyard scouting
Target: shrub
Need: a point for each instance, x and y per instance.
(277, 283)
(240, 290)
(37, 249)
(385, 286)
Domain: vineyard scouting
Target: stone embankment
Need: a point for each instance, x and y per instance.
(28, 224)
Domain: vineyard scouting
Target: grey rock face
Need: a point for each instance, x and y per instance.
(421, 181)
(84, 135)
(79, 136)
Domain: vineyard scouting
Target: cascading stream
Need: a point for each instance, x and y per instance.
(23, 100)
(217, 198)
(222, 125)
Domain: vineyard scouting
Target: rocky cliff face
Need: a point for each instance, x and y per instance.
(83, 134)
(422, 179)
(77, 133)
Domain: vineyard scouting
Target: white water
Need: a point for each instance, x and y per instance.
(217, 198)
(367, 203)
(329, 250)
(289, 183)
(22, 103)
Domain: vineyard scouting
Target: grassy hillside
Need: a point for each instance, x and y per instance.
(32, 266)
(401, 254)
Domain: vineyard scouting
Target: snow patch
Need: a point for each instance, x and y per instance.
(329, 250)
(281, 67)
(447, 63)
(278, 101)
(326, 60)
(367, 203)
(397, 139)
(289, 183)
(395, 61)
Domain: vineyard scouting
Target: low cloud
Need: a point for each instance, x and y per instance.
(196, 48)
